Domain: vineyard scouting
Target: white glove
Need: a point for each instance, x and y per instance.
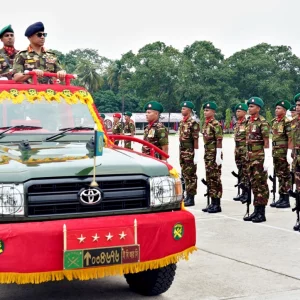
(196, 156)
(289, 156)
(218, 157)
(267, 158)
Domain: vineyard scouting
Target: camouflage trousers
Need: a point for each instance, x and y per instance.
(282, 171)
(241, 163)
(213, 176)
(259, 182)
(188, 169)
(127, 144)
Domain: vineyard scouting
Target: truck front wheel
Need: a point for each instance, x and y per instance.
(152, 282)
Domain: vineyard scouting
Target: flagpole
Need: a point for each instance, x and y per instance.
(94, 183)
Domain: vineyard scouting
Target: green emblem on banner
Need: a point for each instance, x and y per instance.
(178, 231)
(14, 92)
(83, 93)
(73, 259)
(1, 246)
(67, 93)
(32, 92)
(50, 92)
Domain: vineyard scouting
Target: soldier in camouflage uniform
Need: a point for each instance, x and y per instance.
(212, 137)
(258, 158)
(295, 125)
(36, 58)
(188, 151)
(129, 128)
(293, 111)
(282, 152)
(155, 132)
(117, 126)
(8, 52)
(240, 149)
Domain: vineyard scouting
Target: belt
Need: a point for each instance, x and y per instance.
(280, 143)
(210, 146)
(239, 143)
(254, 147)
(187, 144)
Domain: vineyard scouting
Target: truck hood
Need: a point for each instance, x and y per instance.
(48, 160)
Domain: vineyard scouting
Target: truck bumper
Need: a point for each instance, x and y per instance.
(33, 252)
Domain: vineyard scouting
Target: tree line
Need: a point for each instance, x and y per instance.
(199, 73)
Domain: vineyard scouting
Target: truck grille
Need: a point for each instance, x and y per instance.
(60, 196)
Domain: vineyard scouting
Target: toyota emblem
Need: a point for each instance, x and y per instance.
(90, 196)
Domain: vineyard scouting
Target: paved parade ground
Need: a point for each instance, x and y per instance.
(235, 260)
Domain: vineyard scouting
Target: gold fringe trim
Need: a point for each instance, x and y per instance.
(94, 273)
(173, 172)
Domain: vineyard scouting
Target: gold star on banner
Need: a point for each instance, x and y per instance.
(95, 237)
(81, 239)
(109, 237)
(122, 235)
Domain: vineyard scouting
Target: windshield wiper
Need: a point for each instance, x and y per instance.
(64, 130)
(28, 127)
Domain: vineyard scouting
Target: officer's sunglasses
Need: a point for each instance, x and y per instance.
(40, 34)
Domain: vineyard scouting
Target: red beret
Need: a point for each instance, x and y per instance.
(117, 115)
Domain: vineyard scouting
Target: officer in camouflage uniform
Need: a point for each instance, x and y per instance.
(117, 126)
(293, 111)
(155, 132)
(8, 52)
(240, 149)
(129, 128)
(188, 151)
(212, 137)
(36, 58)
(258, 158)
(282, 152)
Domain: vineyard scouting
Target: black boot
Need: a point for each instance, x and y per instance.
(216, 208)
(261, 215)
(213, 202)
(297, 227)
(189, 200)
(285, 203)
(244, 199)
(253, 215)
(238, 197)
(274, 204)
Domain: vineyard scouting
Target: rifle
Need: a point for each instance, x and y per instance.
(207, 191)
(296, 195)
(273, 179)
(238, 181)
(183, 186)
(293, 179)
(248, 201)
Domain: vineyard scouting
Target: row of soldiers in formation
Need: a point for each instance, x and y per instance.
(35, 57)
(253, 153)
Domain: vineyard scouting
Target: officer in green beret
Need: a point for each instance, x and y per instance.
(102, 116)
(129, 128)
(295, 124)
(212, 136)
(8, 52)
(155, 132)
(258, 158)
(293, 111)
(189, 151)
(241, 150)
(282, 152)
(36, 58)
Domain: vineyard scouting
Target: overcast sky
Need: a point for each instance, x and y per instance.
(114, 27)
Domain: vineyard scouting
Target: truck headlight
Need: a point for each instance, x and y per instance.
(11, 199)
(164, 190)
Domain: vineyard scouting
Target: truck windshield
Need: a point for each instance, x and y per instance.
(51, 116)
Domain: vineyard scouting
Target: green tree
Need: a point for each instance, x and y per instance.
(201, 117)
(269, 116)
(228, 118)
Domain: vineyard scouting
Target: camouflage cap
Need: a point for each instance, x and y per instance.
(284, 103)
(5, 29)
(256, 100)
(187, 104)
(117, 115)
(297, 97)
(102, 116)
(241, 106)
(210, 105)
(154, 105)
(128, 113)
(33, 28)
(293, 108)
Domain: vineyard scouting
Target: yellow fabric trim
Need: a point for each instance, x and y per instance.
(94, 273)
(174, 173)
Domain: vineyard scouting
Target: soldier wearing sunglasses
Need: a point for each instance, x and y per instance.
(36, 58)
(8, 52)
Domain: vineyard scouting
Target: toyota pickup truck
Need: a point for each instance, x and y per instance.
(75, 206)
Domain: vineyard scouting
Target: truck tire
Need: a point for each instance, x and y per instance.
(152, 282)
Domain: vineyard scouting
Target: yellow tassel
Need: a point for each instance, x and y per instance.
(174, 173)
(94, 273)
